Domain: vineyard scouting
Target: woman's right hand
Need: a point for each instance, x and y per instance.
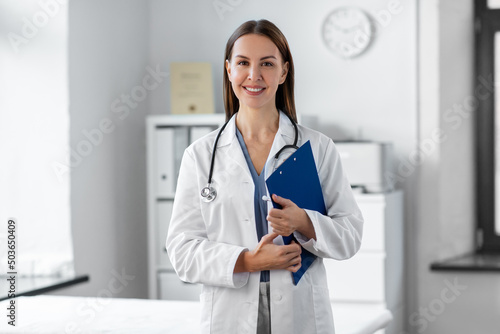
(268, 256)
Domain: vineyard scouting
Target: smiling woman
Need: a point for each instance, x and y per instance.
(248, 255)
(34, 133)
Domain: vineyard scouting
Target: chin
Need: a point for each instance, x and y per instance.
(253, 105)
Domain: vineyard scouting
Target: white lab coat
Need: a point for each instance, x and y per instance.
(205, 239)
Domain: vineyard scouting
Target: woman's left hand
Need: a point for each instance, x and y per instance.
(290, 218)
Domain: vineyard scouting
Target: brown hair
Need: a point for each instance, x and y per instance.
(285, 100)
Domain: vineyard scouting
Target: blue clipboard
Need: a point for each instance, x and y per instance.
(297, 180)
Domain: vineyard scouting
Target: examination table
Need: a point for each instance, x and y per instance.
(46, 314)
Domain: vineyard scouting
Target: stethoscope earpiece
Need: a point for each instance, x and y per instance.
(208, 194)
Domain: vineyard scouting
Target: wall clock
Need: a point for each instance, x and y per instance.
(348, 31)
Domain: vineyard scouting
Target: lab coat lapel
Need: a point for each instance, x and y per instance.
(231, 148)
(284, 136)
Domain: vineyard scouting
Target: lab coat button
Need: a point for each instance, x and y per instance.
(278, 297)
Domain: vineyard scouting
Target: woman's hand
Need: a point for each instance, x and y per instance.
(289, 219)
(268, 256)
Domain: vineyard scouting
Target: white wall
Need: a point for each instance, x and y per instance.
(445, 200)
(108, 49)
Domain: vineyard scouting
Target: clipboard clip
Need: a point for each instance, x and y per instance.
(284, 148)
(277, 155)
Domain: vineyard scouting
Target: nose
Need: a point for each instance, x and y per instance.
(254, 73)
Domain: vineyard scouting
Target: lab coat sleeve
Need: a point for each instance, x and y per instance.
(194, 257)
(339, 233)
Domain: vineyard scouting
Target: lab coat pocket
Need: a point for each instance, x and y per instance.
(322, 309)
(206, 301)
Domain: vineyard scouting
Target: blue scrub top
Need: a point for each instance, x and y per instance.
(260, 206)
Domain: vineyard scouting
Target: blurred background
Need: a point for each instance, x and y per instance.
(73, 141)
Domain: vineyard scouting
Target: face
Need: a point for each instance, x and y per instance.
(255, 70)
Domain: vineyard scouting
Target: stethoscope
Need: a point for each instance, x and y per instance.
(208, 193)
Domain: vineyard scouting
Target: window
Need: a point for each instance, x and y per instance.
(493, 4)
(487, 85)
(34, 135)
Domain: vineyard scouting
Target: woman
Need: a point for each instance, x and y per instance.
(232, 244)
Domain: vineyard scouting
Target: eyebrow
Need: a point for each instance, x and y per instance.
(244, 57)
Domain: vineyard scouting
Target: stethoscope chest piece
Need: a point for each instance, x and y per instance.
(208, 194)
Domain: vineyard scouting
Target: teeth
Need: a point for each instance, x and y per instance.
(254, 89)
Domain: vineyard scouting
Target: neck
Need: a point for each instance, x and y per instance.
(257, 123)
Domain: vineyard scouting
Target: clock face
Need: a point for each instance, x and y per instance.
(348, 31)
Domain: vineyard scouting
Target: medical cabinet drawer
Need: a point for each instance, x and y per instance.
(361, 278)
(163, 214)
(373, 227)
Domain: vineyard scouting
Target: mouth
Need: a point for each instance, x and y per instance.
(254, 89)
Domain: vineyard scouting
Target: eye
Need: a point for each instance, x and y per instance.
(243, 63)
(267, 64)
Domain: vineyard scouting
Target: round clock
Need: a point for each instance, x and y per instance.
(348, 31)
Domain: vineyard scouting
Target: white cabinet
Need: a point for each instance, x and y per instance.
(373, 278)
(167, 138)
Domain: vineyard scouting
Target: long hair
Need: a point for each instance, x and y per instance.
(285, 100)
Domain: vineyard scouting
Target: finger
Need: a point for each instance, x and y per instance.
(293, 259)
(275, 213)
(275, 226)
(268, 238)
(272, 217)
(279, 225)
(282, 201)
(290, 253)
(296, 265)
(293, 247)
(295, 268)
(282, 232)
(296, 260)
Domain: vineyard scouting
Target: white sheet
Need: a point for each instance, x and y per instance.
(60, 314)
(359, 318)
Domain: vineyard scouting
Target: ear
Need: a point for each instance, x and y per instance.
(286, 66)
(228, 69)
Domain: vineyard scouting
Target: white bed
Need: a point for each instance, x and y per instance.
(60, 314)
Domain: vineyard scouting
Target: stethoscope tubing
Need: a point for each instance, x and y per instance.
(213, 152)
(208, 193)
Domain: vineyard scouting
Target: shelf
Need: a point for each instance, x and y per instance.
(164, 153)
(477, 262)
(170, 120)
